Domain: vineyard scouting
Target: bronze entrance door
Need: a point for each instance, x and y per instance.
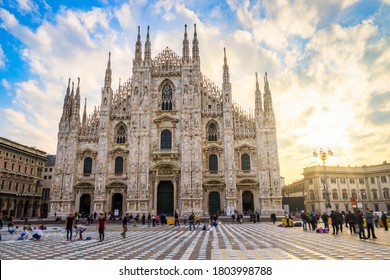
(117, 203)
(165, 198)
(247, 202)
(214, 203)
(85, 204)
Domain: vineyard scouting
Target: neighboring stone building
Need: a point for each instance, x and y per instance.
(167, 139)
(21, 177)
(367, 186)
(47, 185)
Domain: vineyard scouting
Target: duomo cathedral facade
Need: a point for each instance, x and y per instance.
(167, 139)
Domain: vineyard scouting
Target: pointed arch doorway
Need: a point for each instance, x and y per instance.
(165, 198)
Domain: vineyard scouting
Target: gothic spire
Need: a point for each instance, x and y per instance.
(107, 79)
(138, 49)
(258, 103)
(148, 51)
(195, 46)
(85, 113)
(267, 96)
(186, 48)
(226, 76)
(68, 89)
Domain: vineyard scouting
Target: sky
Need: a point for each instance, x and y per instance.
(327, 63)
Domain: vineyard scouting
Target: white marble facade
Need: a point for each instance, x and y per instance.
(167, 139)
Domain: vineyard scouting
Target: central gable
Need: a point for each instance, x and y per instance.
(167, 63)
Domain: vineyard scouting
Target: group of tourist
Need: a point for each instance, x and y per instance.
(355, 222)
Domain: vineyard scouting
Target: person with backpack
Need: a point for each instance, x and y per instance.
(360, 222)
(370, 224)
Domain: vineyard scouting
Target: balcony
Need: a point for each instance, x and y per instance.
(169, 154)
(246, 173)
(213, 174)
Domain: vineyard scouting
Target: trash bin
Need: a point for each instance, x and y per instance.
(284, 222)
(290, 223)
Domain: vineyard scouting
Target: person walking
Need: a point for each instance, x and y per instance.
(304, 220)
(143, 218)
(351, 218)
(360, 222)
(177, 224)
(101, 226)
(125, 221)
(370, 224)
(191, 219)
(384, 220)
(340, 220)
(273, 218)
(69, 223)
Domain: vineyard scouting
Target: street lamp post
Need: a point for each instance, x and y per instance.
(323, 156)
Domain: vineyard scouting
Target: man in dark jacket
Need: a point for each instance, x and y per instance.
(325, 219)
(350, 217)
(335, 224)
(384, 220)
(370, 224)
(340, 220)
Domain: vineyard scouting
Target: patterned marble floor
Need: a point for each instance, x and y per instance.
(262, 241)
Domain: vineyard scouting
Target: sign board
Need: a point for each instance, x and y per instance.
(116, 212)
(286, 208)
(360, 205)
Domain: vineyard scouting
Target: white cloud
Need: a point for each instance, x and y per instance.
(26, 6)
(2, 58)
(5, 84)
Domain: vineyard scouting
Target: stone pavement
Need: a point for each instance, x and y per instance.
(248, 241)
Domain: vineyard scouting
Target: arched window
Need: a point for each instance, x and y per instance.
(166, 139)
(345, 194)
(335, 194)
(311, 195)
(87, 166)
(363, 194)
(212, 132)
(119, 165)
(213, 163)
(386, 193)
(166, 98)
(120, 134)
(353, 193)
(245, 162)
